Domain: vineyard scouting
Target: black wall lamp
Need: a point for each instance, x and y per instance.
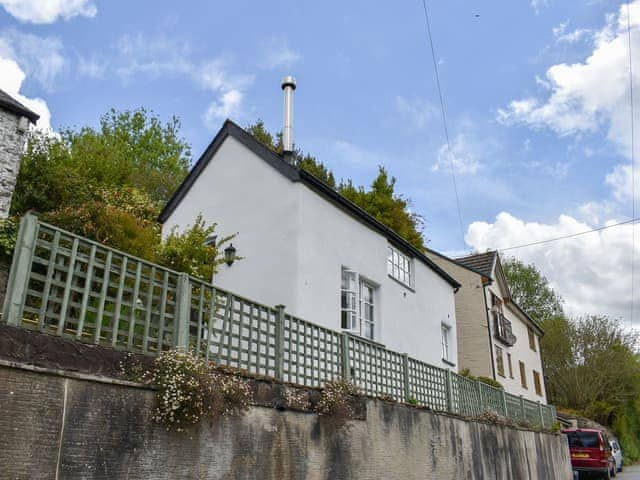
(230, 254)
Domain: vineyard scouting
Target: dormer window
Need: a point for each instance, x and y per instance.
(399, 266)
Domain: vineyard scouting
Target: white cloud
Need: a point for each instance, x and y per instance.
(592, 96)
(25, 56)
(561, 34)
(226, 106)
(417, 112)
(555, 170)
(537, 5)
(466, 153)
(140, 55)
(48, 11)
(278, 54)
(588, 95)
(92, 67)
(11, 78)
(41, 58)
(592, 271)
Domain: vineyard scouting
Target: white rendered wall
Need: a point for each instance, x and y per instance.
(407, 321)
(244, 194)
(295, 244)
(520, 352)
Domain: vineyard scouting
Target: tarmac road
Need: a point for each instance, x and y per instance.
(630, 473)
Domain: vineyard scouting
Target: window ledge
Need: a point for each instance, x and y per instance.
(411, 289)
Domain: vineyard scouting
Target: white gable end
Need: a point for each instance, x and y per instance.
(296, 243)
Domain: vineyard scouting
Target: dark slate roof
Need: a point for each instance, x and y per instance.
(294, 174)
(9, 103)
(456, 262)
(480, 262)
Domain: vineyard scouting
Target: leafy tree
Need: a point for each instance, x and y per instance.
(380, 200)
(591, 367)
(389, 208)
(129, 149)
(108, 184)
(184, 251)
(530, 289)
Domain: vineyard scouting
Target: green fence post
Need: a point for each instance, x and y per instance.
(279, 367)
(183, 312)
(504, 403)
(449, 389)
(524, 412)
(480, 397)
(541, 414)
(405, 374)
(20, 270)
(346, 369)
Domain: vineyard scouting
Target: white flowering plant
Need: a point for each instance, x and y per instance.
(335, 404)
(296, 399)
(190, 389)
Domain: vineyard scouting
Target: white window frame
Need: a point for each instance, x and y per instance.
(445, 341)
(400, 266)
(358, 320)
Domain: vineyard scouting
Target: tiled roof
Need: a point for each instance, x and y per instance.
(480, 262)
(9, 103)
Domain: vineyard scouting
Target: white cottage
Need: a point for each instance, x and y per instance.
(307, 247)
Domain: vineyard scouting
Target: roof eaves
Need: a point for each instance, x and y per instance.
(13, 105)
(228, 129)
(530, 320)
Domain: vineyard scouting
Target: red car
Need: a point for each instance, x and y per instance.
(591, 454)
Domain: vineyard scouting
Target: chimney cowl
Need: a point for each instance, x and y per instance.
(288, 81)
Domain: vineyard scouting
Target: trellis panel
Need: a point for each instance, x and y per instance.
(66, 285)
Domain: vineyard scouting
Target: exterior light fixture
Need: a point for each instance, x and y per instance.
(230, 254)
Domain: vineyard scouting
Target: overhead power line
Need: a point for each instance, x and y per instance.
(571, 235)
(633, 170)
(444, 118)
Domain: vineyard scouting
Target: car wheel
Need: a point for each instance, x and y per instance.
(607, 475)
(614, 471)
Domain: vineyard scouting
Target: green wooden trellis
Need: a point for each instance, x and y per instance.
(70, 286)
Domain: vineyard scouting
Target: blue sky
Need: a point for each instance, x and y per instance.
(536, 95)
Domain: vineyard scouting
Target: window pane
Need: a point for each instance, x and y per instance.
(399, 266)
(368, 330)
(345, 320)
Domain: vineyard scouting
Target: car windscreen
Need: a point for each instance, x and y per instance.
(583, 439)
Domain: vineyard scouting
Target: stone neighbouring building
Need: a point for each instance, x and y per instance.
(14, 125)
(496, 338)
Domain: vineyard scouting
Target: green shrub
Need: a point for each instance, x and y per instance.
(8, 235)
(486, 380)
(490, 381)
